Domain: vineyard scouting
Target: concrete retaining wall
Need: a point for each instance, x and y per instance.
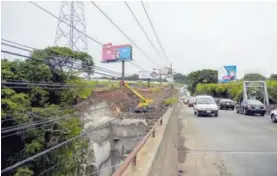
(166, 159)
(159, 155)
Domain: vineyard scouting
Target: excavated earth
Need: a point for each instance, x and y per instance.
(111, 144)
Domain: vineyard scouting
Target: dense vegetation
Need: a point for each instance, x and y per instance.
(233, 90)
(27, 106)
(205, 82)
(201, 76)
(180, 78)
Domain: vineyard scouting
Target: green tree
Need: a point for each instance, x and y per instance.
(273, 76)
(180, 78)
(24, 171)
(21, 106)
(254, 77)
(132, 77)
(64, 62)
(201, 76)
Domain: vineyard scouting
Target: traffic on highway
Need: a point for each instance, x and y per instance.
(205, 105)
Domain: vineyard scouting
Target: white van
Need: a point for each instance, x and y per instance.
(205, 105)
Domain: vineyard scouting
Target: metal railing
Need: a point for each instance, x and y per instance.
(132, 157)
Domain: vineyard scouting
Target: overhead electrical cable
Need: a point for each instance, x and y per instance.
(162, 48)
(21, 55)
(141, 27)
(99, 68)
(48, 12)
(33, 124)
(122, 32)
(50, 149)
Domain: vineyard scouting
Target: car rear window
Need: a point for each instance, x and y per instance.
(254, 102)
(205, 101)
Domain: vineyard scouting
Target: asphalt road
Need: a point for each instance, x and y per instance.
(229, 145)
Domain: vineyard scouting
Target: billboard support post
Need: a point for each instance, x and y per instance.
(171, 74)
(123, 70)
(148, 80)
(160, 76)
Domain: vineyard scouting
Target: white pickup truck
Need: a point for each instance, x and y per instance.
(273, 115)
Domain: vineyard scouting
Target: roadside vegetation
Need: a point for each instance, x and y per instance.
(21, 106)
(233, 90)
(170, 101)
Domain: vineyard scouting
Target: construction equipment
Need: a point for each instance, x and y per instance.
(144, 104)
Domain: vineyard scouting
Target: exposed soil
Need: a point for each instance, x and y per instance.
(121, 100)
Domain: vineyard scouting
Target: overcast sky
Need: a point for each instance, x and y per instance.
(195, 35)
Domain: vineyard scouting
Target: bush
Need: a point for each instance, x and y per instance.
(170, 101)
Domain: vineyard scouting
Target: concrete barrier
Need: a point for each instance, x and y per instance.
(166, 158)
(159, 155)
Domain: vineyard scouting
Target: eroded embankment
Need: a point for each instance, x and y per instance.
(111, 143)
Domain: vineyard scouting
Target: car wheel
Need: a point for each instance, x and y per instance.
(262, 114)
(216, 115)
(273, 118)
(232, 108)
(237, 110)
(245, 112)
(197, 114)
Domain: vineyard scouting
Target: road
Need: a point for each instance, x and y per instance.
(230, 145)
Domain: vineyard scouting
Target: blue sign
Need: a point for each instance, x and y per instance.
(125, 53)
(227, 74)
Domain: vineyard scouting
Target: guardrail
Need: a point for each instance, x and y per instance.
(132, 157)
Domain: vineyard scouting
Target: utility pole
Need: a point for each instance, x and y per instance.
(160, 76)
(123, 70)
(171, 74)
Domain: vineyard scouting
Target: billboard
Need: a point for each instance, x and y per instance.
(148, 75)
(115, 53)
(165, 71)
(227, 74)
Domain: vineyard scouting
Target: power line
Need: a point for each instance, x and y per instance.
(47, 170)
(65, 22)
(154, 30)
(18, 44)
(21, 127)
(141, 27)
(21, 132)
(66, 86)
(99, 68)
(21, 55)
(124, 33)
(50, 149)
(79, 30)
(136, 65)
(16, 47)
(33, 124)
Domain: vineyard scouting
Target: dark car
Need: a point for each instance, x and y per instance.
(191, 101)
(251, 107)
(226, 104)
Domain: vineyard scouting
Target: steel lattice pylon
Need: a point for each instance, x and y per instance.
(255, 90)
(73, 13)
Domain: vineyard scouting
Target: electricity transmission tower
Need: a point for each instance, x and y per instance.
(255, 90)
(72, 12)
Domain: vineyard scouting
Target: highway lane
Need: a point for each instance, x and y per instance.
(229, 145)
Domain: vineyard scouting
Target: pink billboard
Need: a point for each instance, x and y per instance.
(114, 53)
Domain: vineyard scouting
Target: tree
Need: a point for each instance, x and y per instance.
(273, 77)
(63, 62)
(21, 106)
(132, 77)
(254, 77)
(180, 78)
(201, 76)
